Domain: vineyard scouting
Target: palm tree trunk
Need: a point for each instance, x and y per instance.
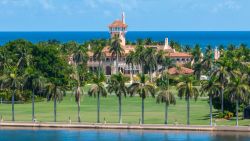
(99, 68)
(222, 100)
(237, 116)
(13, 108)
(132, 65)
(98, 108)
(142, 111)
(188, 110)
(211, 114)
(151, 77)
(117, 61)
(120, 109)
(78, 110)
(131, 75)
(54, 108)
(166, 113)
(33, 106)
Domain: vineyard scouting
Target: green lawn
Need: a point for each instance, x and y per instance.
(131, 107)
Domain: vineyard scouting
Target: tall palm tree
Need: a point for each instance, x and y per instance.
(207, 62)
(165, 96)
(238, 90)
(118, 86)
(188, 90)
(34, 82)
(151, 61)
(212, 88)
(222, 72)
(130, 60)
(197, 53)
(139, 57)
(116, 49)
(80, 58)
(144, 89)
(13, 82)
(98, 55)
(55, 93)
(98, 89)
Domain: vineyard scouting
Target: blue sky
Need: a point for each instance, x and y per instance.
(141, 15)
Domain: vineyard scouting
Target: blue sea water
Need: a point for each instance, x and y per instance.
(204, 38)
(117, 135)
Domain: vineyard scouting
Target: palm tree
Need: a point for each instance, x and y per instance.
(98, 89)
(98, 55)
(55, 93)
(188, 90)
(151, 62)
(13, 82)
(197, 53)
(130, 60)
(80, 58)
(116, 49)
(34, 82)
(139, 57)
(222, 72)
(212, 88)
(238, 90)
(118, 86)
(165, 96)
(144, 89)
(207, 62)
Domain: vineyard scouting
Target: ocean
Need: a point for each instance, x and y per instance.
(203, 38)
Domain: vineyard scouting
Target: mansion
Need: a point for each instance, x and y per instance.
(119, 28)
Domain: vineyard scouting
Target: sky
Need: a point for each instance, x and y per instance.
(141, 15)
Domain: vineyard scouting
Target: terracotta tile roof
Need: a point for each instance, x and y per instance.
(118, 23)
(179, 54)
(180, 70)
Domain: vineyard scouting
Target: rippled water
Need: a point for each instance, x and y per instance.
(116, 135)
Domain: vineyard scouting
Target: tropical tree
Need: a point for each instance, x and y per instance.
(130, 61)
(151, 61)
(118, 86)
(212, 88)
(13, 82)
(98, 89)
(238, 90)
(55, 93)
(49, 63)
(98, 55)
(207, 62)
(80, 58)
(222, 72)
(116, 49)
(165, 96)
(144, 89)
(187, 89)
(34, 82)
(197, 53)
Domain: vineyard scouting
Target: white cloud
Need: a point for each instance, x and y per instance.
(47, 4)
(226, 4)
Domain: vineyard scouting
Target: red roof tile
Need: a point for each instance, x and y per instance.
(180, 70)
(118, 23)
(179, 54)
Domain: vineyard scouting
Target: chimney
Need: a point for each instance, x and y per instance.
(166, 43)
(123, 17)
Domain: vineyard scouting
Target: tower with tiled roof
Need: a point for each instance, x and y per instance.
(119, 28)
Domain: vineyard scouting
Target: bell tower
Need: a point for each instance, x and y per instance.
(119, 28)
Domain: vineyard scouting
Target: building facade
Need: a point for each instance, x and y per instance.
(119, 28)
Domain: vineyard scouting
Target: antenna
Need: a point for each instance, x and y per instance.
(123, 17)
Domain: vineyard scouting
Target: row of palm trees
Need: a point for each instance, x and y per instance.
(224, 78)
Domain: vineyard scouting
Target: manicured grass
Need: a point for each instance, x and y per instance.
(131, 107)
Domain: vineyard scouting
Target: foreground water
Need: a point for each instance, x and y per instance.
(117, 135)
(214, 38)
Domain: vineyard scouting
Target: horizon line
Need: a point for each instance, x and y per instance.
(129, 31)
